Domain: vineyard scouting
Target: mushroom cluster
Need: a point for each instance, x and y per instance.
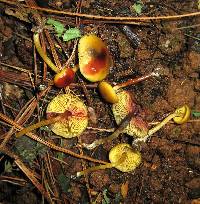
(94, 61)
(68, 115)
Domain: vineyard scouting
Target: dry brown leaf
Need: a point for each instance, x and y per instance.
(124, 189)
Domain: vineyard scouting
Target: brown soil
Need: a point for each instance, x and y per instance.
(170, 169)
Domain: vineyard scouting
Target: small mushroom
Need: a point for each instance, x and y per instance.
(122, 157)
(67, 115)
(137, 126)
(65, 77)
(126, 115)
(181, 115)
(109, 93)
(94, 58)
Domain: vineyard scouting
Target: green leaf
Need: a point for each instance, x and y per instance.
(195, 113)
(7, 167)
(137, 7)
(71, 34)
(105, 200)
(58, 26)
(64, 182)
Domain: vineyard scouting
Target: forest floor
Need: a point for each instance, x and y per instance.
(32, 172)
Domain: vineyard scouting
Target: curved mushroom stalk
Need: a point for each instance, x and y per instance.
(181, 115)
(122, 157)
(67, 115)
(39, 48)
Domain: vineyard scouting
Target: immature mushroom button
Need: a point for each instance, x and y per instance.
(94, 58)
(64, 77)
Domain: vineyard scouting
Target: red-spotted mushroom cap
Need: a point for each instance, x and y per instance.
(94, 58)
(77, 120)
(137, 127)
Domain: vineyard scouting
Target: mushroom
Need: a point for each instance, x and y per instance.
(67, 115)
(126, 115)
(109, 93)
(122, 157)
(94, 58)
(181, 115)
(65, 77)
(137, 127)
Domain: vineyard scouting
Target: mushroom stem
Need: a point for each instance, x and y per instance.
(161, 124)
(134, 81)
(109, 93)
(49, 121)
(114, 135)
(180, 116)
(94, 168)
(38, 47)
(104, 166)
(37, 125)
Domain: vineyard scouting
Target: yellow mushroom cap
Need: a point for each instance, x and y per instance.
(184, 112)
(132, 157)
(107, 92)
(137, 126)
(76, 122)
(94, 58)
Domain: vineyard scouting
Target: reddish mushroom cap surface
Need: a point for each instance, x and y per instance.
(64, 78)
(77, 117)
(137, 126)
(94, 58)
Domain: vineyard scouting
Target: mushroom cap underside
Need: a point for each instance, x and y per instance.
(76, 122)
(137, 126)
(132, 158)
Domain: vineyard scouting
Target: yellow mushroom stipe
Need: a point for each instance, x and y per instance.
(107, 92)
(180, 116)
(130, 162)
(184, 114)
(122, 157)
(94, 58)
(37, 125)
(43, 55)
(137, 127)
(76, 122)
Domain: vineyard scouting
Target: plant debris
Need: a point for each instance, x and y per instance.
(93, 52)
